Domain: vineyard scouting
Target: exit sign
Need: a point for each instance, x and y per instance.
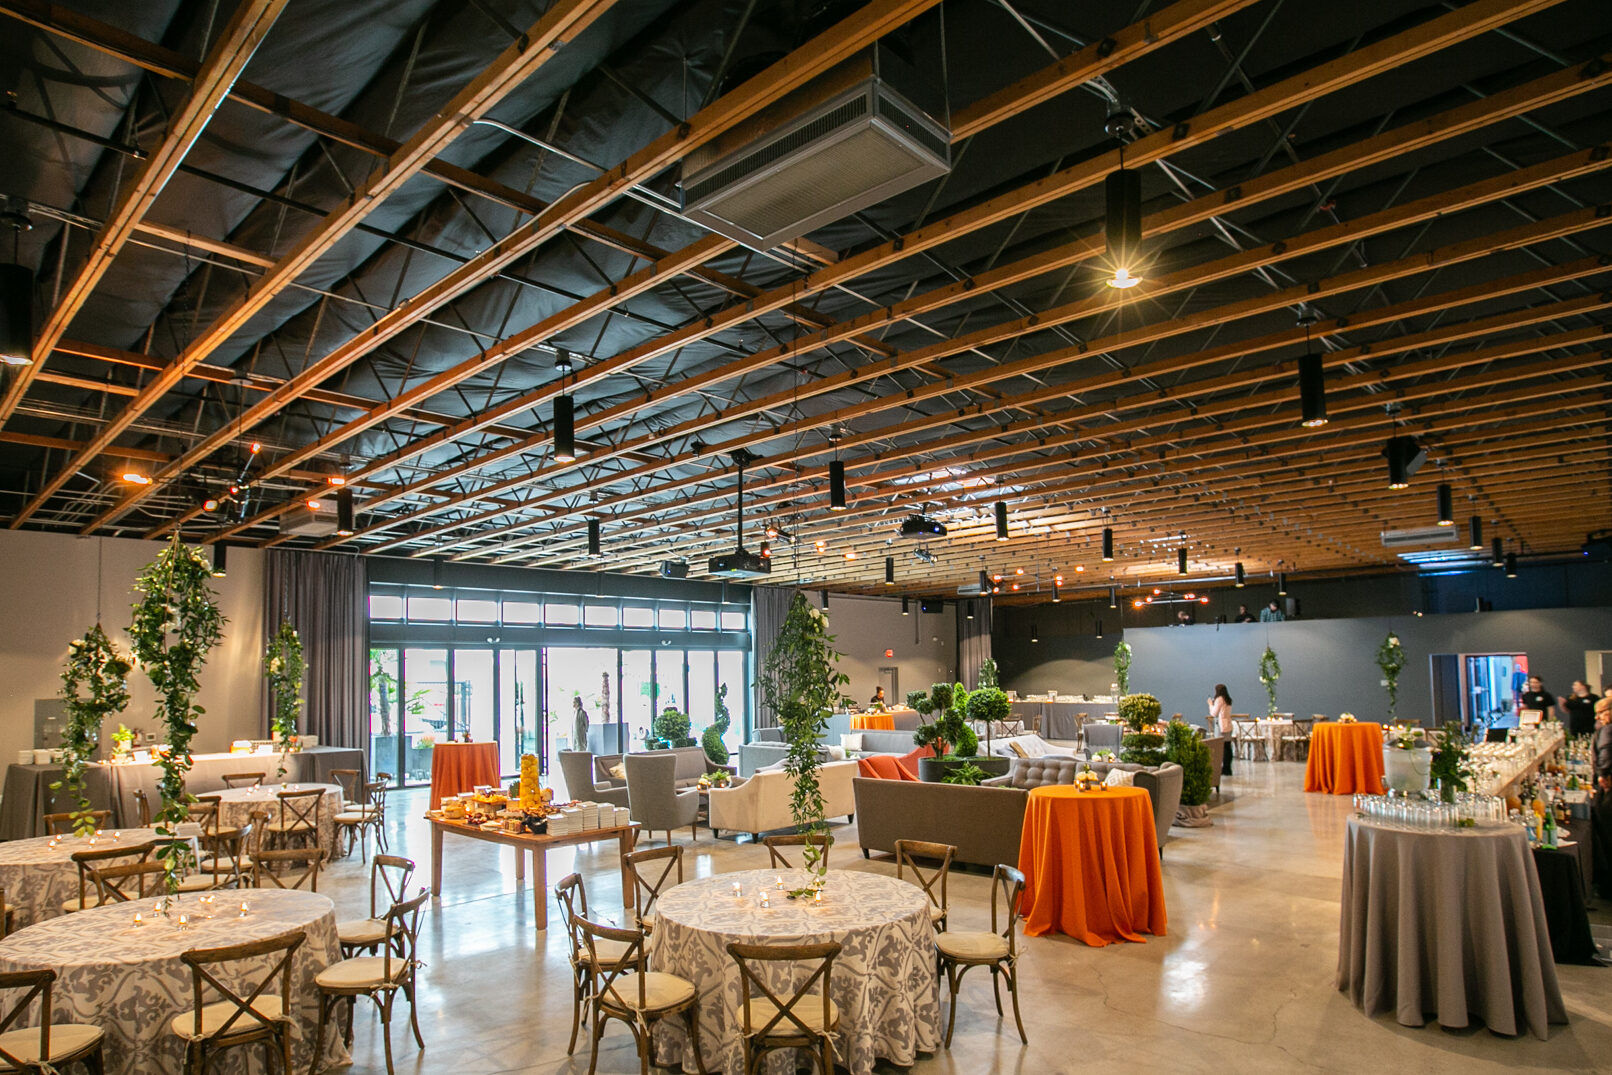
(889, 653)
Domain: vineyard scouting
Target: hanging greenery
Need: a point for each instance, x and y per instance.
(176, 622)
(95, 686)
(801, 683)
(1269, 672)
(283, 665)
(1122, 667)
(1391, 661)
(716, 751)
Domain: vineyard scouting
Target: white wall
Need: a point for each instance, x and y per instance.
(924, 645)
(48, 598)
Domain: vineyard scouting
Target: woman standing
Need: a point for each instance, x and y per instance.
(1580, 706)
(1220, 717)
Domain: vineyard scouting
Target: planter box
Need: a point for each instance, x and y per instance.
(935, 770)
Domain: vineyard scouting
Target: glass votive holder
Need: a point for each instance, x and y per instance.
(139, 919)
(765, 901)
(184, 920)
(817, 898)
(778, 883)
(245, 909)
(738, 890)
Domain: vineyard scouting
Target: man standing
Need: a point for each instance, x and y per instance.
(1537, 697)
(1271, 613)
(1243, 615)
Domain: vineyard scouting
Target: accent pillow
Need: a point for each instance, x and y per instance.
(1120, 778)
(1013, 745)
(851, 741)
(835, 753)
(619, 771)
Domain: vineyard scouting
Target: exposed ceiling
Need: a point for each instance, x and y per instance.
(355, 234)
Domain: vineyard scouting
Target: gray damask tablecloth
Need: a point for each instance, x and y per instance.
(883, 981)
(39, 875)
(1447, 923)
(237, 804)
(129, 980)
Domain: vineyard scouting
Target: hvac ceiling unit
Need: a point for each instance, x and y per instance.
(848, 140)
(921, 528)
(1418, 536)
(740, 563)
(310, 518)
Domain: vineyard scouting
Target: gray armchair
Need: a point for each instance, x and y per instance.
(577, 765)
(653, 796)
(1103, 736)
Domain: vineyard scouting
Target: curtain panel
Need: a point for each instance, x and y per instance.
(326, 598)
(973, 638)
(768, 607)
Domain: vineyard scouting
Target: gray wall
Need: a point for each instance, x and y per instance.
(1329, 666)
(924, 644)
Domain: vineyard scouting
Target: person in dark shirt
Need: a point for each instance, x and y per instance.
(1537, 697)
(1245, 616)
(1580, 706)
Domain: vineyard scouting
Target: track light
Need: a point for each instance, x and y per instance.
(1122, 190)
(1108, 545)
(1474, 532)
(1312, 391)
(1001, 521)
(1241, 582)
(1446, 506)
(1281, 584)
(836, 486)
(906, 607)
(135, 477)
(220, 555)
(344, 513)
(1181, 560)
(1511, 565)
(889, 570)
(565, 432)
(595, 538)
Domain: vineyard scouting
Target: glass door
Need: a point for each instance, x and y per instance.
(582, 705)
(385, 713)
(425, 711)
(475, 702)
(521, 723)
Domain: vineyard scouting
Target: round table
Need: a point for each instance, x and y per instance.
(872, 722)
(1345, 758)
(236, 806)
(39, 875)
(457, 767)
(1448, 923)
(129, 979)
(1091, 864)
(883, 980)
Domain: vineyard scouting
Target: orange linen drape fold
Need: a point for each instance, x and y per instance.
(1345, 758)
(457, 767)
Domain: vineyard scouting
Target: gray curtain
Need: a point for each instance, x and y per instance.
(973, 638)
(768, 607)
(326, 598)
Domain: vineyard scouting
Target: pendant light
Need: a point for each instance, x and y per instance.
(1181, 560)
(344, 513)
(1511, 565)
(825, 600)
(906, 609)
(1241, 582)
(1035, 635)
(836, 486)
(889, 570)
(565, 437)
(1497, 551)
(436, 572)
(16, 292)
(1446, 505)
(1001, 521)
(1281, 584)
(1474, 531)
(1108, 545)
(985, 583)
(220, 554)
(1122, 226)
(595, 538)
(1113, 597)
(1312, 383)
(1099, 628)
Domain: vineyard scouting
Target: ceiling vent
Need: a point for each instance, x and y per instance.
(310, 518)
(1421, 535)
(850, 139)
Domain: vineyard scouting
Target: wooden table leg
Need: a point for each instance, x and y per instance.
(624, 840)
(436, 860)
(520, 864)
(540, 886)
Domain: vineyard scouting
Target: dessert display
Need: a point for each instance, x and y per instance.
(528, 807)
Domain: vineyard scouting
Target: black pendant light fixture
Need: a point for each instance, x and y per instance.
(1446, 505)
(1099, 628)
(344, 513)
(565, 430)
(1001, 521)
(1181, 560)
(985, 583)
(825, 600)
(836, 486)
(1404, 457)
(1241, 581)
(906, 606)
(220, 554)
(1035, 635)
(1108, 545)
(1497, 552)
(595, 538)
(1474, 533)
(1511, 565)
(1122, 226)
(1312, 383)
(1281, 584)
(889, 570)
(16, 292)
(1057, 592)
(436, 572)
(1113, 597)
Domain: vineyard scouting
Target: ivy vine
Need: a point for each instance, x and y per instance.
(1270, 670)
(283, 666)
(1122, 667)
(801, 683)
(176, 622)
(1391, 661)
(95, 686)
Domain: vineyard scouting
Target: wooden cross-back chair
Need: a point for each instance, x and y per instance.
(806, 1019)
(626, 989)
(238, 1017)
(243, 780)
(62, 824)
(50, 1047)
(380, 978)
(287, 867)
(932, 879)
(776, 859)
(652, 870)
(998, 949)
(114, 875)
(391, 873)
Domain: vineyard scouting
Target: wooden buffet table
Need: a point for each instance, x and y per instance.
(625, 835)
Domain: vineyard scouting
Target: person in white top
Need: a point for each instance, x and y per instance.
(1220, 717)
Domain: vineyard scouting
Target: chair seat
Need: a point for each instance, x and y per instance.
(199, 882)
(607, 953)
(972, 946)
(808, 1009)
(92, 900)
(66, 1040)
(361, 932)
(353, 817)
(361, 973)
(660, 991)
(214, 1016)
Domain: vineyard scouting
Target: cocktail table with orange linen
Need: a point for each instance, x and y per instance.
(457, 767)
(1345, 758)
(872, 722)
(1091, 864)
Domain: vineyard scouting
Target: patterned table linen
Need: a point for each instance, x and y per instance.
(236, 806)
(39, 874)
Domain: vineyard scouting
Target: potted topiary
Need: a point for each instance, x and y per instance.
(1185, 746)
(989, 706)
(954, 741)
(716, 751)
(1141, 745)
(672, 728)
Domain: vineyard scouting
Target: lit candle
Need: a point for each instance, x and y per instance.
(817, 897)
(139, 919)
(244, 909)
(184, 920)
(764, 900)
(738, 890)
(780, 883)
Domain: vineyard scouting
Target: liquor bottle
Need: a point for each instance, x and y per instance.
(1548, 838)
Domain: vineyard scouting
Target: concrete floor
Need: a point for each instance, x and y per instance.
(1242, 983)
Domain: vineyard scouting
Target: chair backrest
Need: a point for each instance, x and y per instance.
(243, 780)
(142, 808)
(62, 824)
(651, 869)
(820, 841)
(350, 781)
(393, 873)
(297, 865)
(1008, 884)
(116, 874)
(787, 1024)
(610, 967)
(243, 1018)
(205, 812)
(38, 983)
(572, 896)
(375, 792)
(302, 807)
(1103, 736)
(577, 765)
(933, 879)
(403, 929)
(1304, 726)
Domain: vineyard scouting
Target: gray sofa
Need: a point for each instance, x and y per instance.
(691, 765)
(984, 824)
(1163, 784)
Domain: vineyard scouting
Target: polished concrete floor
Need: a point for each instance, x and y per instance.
(1242, 983)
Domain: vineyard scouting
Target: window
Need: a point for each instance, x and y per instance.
(561, 614)
(430, 609)
(637, 616)
(523, 612)
(671, 619)
(475, 610)
(598, 615)
(385, 606)
(702, 619)
(735, 620)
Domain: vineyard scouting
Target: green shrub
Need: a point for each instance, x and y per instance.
(716, 751)
(964, 774)
(1188, 750)
(967, 745)
(672, 727)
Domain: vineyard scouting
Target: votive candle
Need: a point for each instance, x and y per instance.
(139, 919)
(764, 901)
(244, 909)
(738, 890)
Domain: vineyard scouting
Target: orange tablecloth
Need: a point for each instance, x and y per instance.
(1091, 865)
(873, 722)
(1345, 758)
(457, 767)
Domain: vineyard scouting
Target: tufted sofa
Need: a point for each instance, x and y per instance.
(1163, 784)
(984, 824)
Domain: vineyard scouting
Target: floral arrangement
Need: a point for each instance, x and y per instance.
(176, 622)
(1413, 738)
(1270, 670)
(1346, 718)
(1450, 768)
(1391, 661)
(1122, 667)
(283, 665)
(1105, 755)
(95, 685)
(425, 741)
